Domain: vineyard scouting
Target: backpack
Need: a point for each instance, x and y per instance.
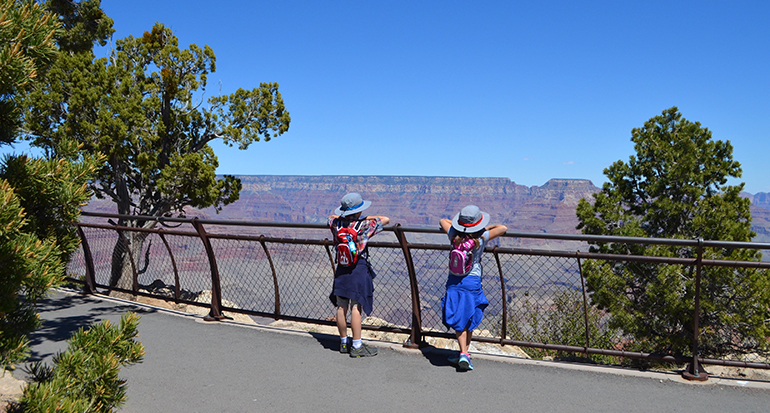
(461, 257)
(345, 246)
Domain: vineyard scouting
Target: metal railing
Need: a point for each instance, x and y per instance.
(284, 271)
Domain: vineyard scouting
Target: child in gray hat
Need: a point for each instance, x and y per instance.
(353, 287)
(464, 302)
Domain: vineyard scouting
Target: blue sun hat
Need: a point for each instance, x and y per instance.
(470, 219)
(352, 203)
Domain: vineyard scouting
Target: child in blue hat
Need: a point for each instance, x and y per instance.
(353, 287)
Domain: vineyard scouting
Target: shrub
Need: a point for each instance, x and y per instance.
(563, 322)
(85, 377)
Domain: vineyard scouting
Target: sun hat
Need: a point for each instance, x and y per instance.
(470, 219)
(352, 203)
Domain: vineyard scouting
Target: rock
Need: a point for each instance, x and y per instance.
(158, 287)
(738, 372)
(11, 389)
(203, 297)
(741, 372)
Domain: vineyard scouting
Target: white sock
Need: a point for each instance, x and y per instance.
(357, 343)
(344, 340)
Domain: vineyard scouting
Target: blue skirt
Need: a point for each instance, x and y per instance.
(464, 303)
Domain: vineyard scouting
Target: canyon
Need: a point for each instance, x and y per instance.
(417, 201)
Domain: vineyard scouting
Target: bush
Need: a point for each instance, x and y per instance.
(563, 322)
(29, 267)
(85, 377)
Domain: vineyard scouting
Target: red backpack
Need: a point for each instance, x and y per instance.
(345, 246)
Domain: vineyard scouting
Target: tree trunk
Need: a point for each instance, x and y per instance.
(123, 268)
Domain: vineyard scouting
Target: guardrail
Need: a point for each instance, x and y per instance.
(284, 271)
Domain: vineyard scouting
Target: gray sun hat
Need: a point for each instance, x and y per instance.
(352, 203)
(471, 219)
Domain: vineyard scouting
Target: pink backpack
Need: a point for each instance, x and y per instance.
(461, 257)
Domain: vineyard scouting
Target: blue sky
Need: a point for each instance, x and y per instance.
(524, 90)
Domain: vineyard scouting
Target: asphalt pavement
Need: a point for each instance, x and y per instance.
(195, 366)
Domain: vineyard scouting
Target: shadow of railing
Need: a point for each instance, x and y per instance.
(284, 271)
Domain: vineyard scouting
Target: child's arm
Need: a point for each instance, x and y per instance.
(445, 224)
(384, 220)
(496, 230)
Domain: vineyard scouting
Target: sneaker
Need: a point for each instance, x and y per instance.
(363, 351)
(345, 347)
(465, 362)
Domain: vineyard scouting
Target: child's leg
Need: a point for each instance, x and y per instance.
(342, 319)
(464, 340)
(342, 322)
(355, 320)
(358, 349)
(468, 340)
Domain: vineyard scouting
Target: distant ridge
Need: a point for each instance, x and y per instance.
(421, 201)
(414, 200)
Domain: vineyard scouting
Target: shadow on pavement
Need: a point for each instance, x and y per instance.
(439, 357)
(328, 341)
(61, 328)
(436, 356)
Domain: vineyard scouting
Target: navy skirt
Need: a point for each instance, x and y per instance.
(355, 283)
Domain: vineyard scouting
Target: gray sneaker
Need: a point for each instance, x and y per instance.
(363, 351)
(345, 347)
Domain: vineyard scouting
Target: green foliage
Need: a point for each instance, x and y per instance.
(27, 46)
(84, 24)
(29, 266)
(675, 187)
(85, 377)
(139, 108)
(39, 198)
(563, 322)
(52, 192)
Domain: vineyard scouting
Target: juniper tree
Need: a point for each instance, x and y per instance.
(676, 187)
(142, 107)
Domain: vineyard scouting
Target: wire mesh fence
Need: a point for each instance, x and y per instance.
(537, 298)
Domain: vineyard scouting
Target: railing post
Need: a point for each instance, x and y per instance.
(504, 326)
(329, 254)
(90, 286)
(275, 277)
(585, 300)
(415, 339)
(215, 314)
(694, 371)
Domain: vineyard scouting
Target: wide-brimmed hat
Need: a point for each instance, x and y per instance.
(470, 219)
(352, 203)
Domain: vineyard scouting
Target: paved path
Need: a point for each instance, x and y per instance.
(194, 366)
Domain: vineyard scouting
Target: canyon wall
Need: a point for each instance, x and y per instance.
(416, 201)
